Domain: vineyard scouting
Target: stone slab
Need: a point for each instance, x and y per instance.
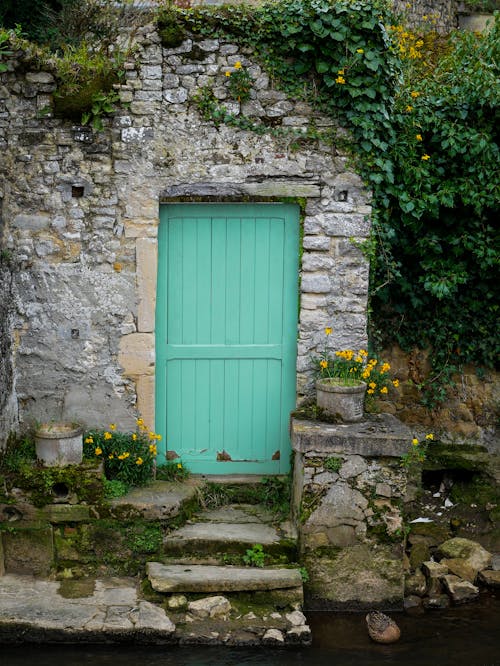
(197, 536)
(377, 435)
(158, 501)
(206, 578)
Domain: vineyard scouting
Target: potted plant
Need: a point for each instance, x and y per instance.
(345, 377)
(59, 443)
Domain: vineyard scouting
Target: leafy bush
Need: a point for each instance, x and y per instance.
(172, 470)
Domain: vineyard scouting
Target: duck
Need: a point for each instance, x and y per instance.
(381, 628)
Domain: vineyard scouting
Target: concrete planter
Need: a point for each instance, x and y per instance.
(59, 444)
(338, 399)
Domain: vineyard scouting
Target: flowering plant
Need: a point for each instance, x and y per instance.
(418, 451)
(349, 368)
(129, 457)
(240, 82)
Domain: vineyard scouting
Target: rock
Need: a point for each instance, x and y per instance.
(296, 618)
(436, 601)
(461, 568)
(461, 591)
(381, 628)
(489, 578)
(412, 604)
(217, 606)
(419, 553)
(177, 601)
(434, 569)
(416, 584)
(495, 562)
(273, 637)
(465, 549)
(301, 634)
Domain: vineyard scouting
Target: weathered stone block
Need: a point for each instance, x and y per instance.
(28, 551)
(136, 354)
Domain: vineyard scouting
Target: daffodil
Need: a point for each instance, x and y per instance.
(98, 451)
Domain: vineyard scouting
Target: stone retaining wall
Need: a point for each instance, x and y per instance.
(81, 215)
(7, 402)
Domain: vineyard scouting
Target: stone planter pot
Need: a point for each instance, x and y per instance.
(338, 399)
(59, 444)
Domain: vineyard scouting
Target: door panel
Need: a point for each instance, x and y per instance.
(226, 334)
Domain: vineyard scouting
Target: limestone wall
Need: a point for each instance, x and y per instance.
(81, 215)
(7, 402)
(440, 15)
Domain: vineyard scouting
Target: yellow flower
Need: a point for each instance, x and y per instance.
(429, 436)
(409, 108)
(111, 456)
(323, 364)
(414, 94)
(395, 383)
(371, 391)
(425, 157)
(328, 330)
(359, 51)
(372, 385)
(383, 389)
(112, 426)
(124, 455)
(418, 137)
(179, 466)
(363, 352)
(340, 79)
(152, 449)
(139, 461)
(358, 359)
(152, 435)
(140, 422)
(107, 435)
(385, 367)
(228, 73)
(237, 65)
(98, 450)
(134, 437)
(89, 440)
(158, 438)
(366, 374)
(414, 441)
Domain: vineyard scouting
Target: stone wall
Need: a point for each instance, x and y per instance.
(440, 15)
(81, 215)
(469, 414)
(348, 493)
(7, 402)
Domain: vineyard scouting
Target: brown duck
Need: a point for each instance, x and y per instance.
(381, 628)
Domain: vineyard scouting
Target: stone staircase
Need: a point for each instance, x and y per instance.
(229, 573)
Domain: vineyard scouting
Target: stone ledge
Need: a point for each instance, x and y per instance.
(378, 435)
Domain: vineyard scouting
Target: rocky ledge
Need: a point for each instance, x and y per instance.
(454, 575)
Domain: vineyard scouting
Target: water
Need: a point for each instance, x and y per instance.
(465, 636)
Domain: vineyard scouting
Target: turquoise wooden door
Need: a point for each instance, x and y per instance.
(226, 335)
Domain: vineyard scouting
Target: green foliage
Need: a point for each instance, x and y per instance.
(171, 30)
(333, 464)
(172, 470)
(239, 83)
(417, 453)
(128, 457)
(18, 452)
(114, 488)
(304, 574)
(272, 492)
(255, 556)
(85, 83)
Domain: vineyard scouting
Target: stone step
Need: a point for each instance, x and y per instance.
(160, 500)
(231, 529)
(175, 578)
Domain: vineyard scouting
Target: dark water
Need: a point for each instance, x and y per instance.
(465, 636)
